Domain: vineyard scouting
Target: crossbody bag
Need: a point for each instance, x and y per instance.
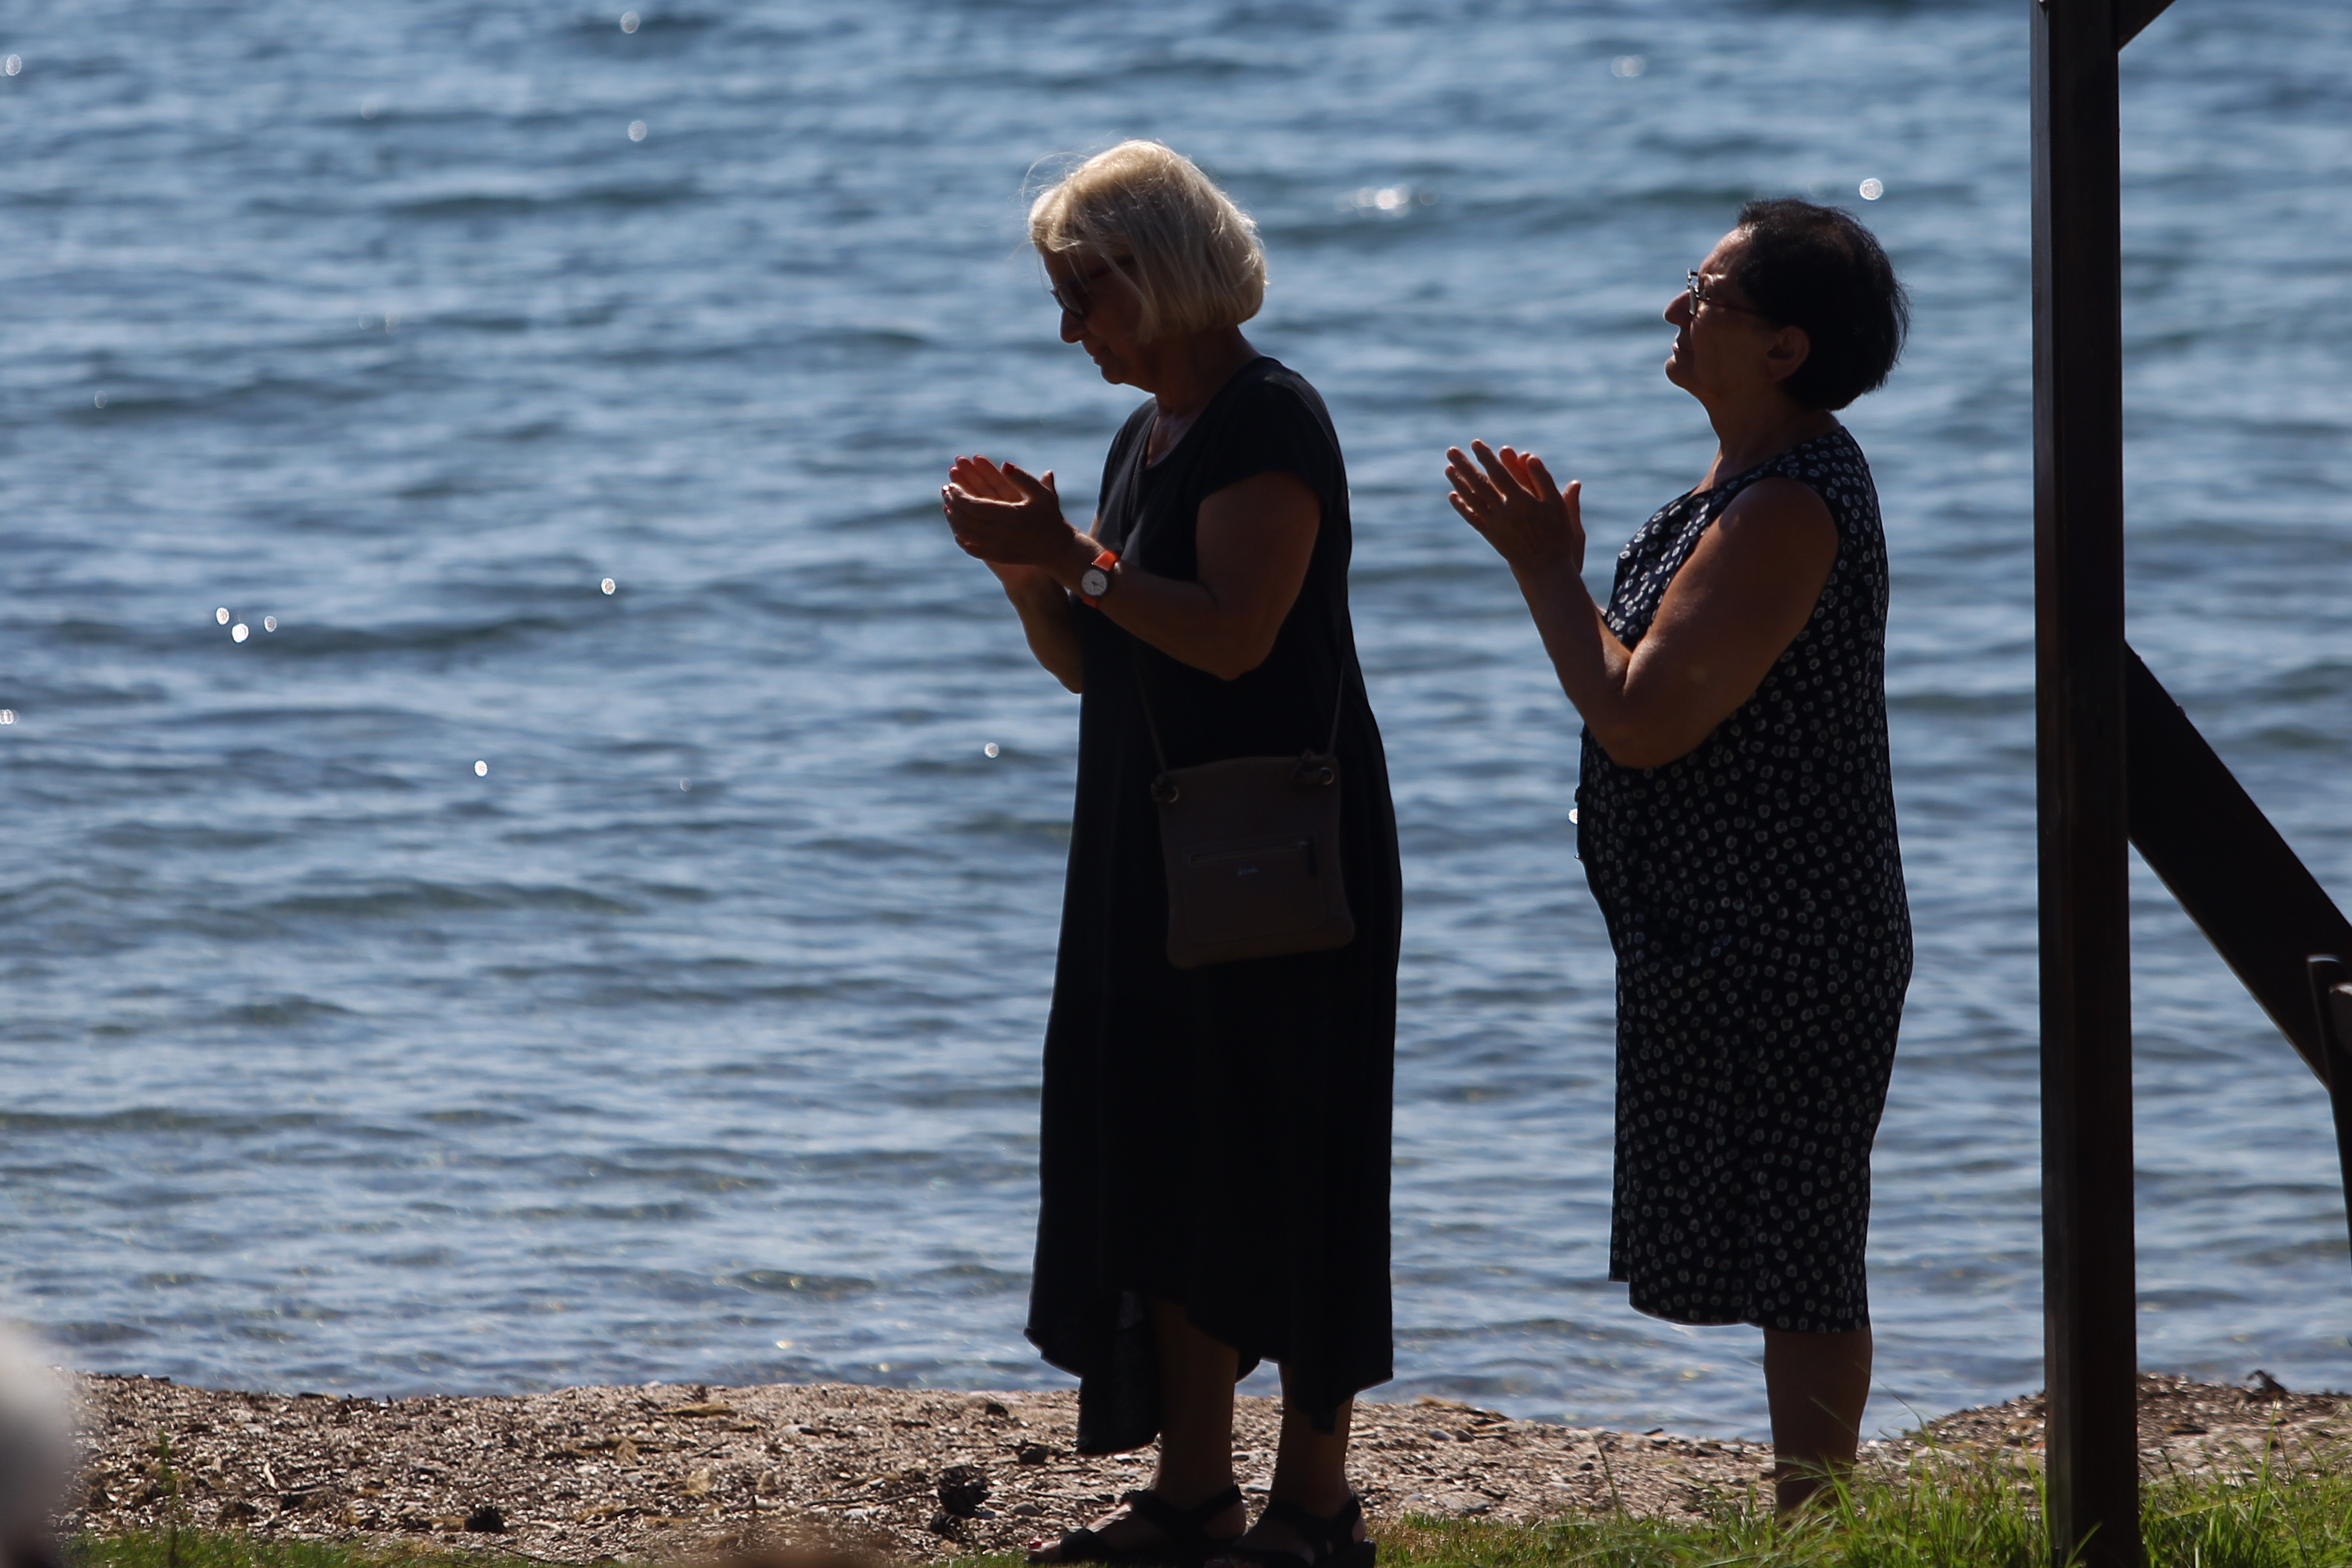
(1252, 848)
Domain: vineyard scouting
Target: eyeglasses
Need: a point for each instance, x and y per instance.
(1699, 296)
(1077, 297)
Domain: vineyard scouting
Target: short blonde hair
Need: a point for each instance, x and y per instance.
(1194, 256)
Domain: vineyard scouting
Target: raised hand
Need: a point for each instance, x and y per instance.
(1013, 526)
(1009, 518)
(1510, 499)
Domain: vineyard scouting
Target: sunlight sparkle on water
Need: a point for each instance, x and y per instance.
(628, 21)
(989, 750)
(239, 632)
(637, 129)
(481, 769)
(1384, 198)
(16, 64)
(1872, 190)
(220, 617)
(607, 585)
(1628, 66)
(7, 715)
(97, 400)
(269, 623)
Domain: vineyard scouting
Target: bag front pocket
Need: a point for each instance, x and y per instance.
(1243, 891)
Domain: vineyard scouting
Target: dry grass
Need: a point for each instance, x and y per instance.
(180, 1478)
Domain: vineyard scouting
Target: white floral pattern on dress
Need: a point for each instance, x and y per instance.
(1754, 893)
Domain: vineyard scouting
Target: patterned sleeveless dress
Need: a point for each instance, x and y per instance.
(1754, 893)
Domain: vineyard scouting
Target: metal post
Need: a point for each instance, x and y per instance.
(2093, 1456)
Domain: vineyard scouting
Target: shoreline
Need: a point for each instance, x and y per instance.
(577, 1475)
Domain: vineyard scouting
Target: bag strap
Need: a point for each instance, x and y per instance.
(1159, 752)
(1339, 707)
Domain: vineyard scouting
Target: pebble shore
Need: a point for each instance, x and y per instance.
(582, 1475)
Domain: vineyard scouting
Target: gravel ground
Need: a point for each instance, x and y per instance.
(584, 1474)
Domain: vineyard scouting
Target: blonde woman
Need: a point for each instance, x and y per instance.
(1215, 1150)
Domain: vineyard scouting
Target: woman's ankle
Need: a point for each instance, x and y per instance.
(1800, 1484)
(1190, 1489)
(1322, 1497)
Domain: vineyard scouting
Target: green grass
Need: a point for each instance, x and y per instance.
(1945, 1513)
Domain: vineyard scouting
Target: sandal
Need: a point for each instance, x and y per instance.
(1183, 1541)
(1332, 1542)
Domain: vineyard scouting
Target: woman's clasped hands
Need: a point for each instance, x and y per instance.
(1011, 520)
(1510, 499)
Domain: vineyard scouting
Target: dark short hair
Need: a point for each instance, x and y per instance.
(1817, 267)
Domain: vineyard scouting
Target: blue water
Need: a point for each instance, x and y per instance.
(696, 1039)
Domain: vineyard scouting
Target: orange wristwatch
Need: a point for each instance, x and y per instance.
(1095, 581)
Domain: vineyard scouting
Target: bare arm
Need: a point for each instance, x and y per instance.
(1733, 608)
(1047, 622)
(1253, 544)
(1040, 602)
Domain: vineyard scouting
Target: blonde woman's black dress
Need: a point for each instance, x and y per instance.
(1754, 894)
(1217, 1137)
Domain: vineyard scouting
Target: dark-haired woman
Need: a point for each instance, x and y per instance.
(1736, 815)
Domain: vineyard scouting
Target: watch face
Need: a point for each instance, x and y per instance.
(1094, 582)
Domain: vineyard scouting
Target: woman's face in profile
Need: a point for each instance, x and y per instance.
(1099, 313)
(1719, 349)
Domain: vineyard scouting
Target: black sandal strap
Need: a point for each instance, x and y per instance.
(1325, 1534)
(1327, 1539)
(1079, 1545)
(1181, 1529)
(1181, 1526)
